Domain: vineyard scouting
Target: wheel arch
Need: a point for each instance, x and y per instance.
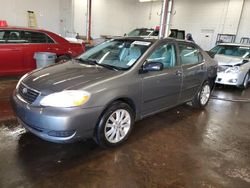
(126, 100)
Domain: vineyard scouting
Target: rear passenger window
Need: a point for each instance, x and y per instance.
(36, 37)
(10, 36)
(165, 55)
(189, 54)
(16, 36)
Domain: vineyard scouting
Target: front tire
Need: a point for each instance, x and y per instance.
(202, 97)
(245, 82)
(115, 125)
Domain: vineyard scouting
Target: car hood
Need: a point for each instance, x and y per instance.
(228, 60)
(67, 76)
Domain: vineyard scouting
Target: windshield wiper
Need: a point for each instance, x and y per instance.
(95, 62)
(88, 61)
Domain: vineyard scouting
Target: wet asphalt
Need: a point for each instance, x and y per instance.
(182, 147)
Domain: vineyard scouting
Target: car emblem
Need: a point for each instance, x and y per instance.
(25, 90)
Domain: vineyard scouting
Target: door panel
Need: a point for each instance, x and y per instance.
(194, 71)
(37, 42)
(193, 76)
(161, 89)
(11, 58)
(11, 52)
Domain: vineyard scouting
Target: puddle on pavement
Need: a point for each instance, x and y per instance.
(11, 127)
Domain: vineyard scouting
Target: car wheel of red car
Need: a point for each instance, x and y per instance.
(62, 59)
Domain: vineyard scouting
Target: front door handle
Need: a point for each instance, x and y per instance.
(178, 73)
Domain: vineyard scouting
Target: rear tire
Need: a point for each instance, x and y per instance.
(202, 97)
(62, 59)
(115, 125)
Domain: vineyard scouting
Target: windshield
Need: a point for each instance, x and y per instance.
(230, 50)
(119, 54)
(140, 32)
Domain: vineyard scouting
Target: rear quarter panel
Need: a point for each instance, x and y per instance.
(212, 66)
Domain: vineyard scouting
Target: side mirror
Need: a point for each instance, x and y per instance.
(125, 34)
(211, 54)
(152, 66)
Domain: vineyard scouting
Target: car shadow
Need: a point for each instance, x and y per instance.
(37, 156)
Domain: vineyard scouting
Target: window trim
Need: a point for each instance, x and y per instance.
(25, 30)
(195, 47)
(162, 44)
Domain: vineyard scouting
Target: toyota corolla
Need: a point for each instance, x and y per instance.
(101, 93)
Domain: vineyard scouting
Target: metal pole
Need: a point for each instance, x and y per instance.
(170, 6)
(165, 18)
(89, 3)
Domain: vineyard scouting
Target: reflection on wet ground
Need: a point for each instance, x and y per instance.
(182, 147)
(6, 87)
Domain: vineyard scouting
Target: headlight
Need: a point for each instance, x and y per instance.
(67, 98)
(21, 79)
(234, 69)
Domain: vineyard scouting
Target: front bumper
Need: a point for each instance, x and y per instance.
(234, 79)
(58, 125)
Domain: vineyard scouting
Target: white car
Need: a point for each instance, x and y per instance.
(234, 66)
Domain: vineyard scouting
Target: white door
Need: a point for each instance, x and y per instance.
(207, 39)
(66, 18)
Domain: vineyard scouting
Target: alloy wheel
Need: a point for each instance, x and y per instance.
(117, 126)
(205, 94)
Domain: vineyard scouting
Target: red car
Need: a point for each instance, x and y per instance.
(18, 45)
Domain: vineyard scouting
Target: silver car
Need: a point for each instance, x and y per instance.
(234, 65)
(105, 90)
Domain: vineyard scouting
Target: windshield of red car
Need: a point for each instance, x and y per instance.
(121, 54)
(231, 50)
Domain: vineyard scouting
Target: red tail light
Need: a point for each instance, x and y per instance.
(3, 23)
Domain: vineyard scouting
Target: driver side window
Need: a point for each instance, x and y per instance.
(165, 54)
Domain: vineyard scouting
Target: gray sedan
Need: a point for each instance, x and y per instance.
(234, 65)
(104, 91)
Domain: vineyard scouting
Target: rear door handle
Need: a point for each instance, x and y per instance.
(178, 72)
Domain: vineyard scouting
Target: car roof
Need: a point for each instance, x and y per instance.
(145, 28)
(22, 28)
(152, 39)
(146, 39)
(234, 44)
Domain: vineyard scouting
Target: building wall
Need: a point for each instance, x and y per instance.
(203, 18)
(244, 24)
(109, 17)
(47, 13)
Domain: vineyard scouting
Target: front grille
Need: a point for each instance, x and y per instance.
(28, 94)
(61, 133)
